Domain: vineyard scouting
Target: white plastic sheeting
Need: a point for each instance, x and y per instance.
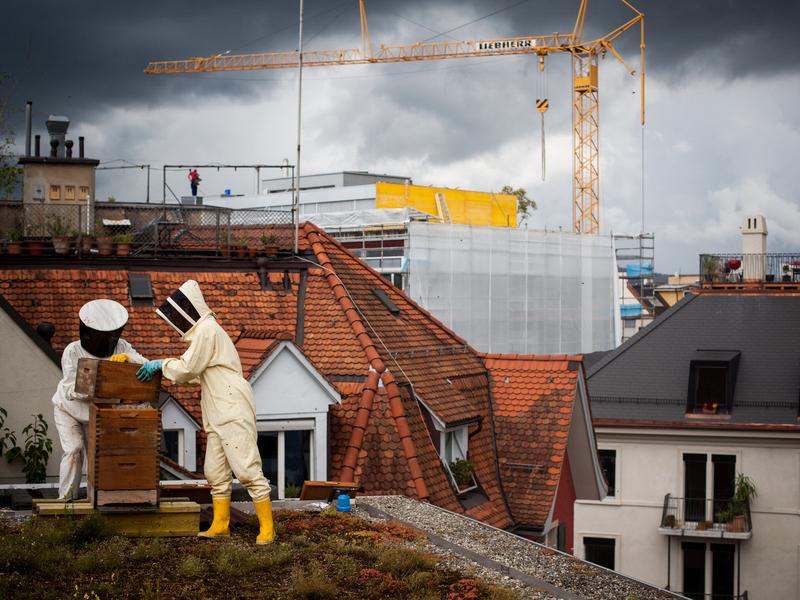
(516, 290)
(360, 219)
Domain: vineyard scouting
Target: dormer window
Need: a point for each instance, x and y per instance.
(712, 381)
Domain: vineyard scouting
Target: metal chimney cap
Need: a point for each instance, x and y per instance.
(57, 124)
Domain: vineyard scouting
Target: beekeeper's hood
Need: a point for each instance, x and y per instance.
(184, 308)
(101, 325)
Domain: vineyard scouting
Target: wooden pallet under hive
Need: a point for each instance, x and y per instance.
(175, 517)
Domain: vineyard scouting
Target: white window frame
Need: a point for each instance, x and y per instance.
(181, 445)
(289, 425)
(617, 498)
(460, 437)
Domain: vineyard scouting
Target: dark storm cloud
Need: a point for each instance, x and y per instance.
(89, 55)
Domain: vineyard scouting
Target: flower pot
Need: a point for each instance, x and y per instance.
(35, 247)
(86, 244)
(123, 249)
(14, 247)
(271, 250)
(737, 525)
(786, 278)
(703, 525)
(104, 246)
(61, 244)
(770, 278)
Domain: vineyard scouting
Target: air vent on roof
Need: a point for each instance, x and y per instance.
(386, 301)
(141, 289)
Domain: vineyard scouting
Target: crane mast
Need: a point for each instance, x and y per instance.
(585, 91)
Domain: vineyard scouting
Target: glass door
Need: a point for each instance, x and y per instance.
(287, 458)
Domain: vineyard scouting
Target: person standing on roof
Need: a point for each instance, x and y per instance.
(226, 399)
(101, 325)
(194, 181)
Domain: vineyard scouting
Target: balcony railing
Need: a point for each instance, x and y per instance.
(703, 517)
(90, 231)
(740, 269)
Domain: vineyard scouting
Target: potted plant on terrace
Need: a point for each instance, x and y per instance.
(14, 245)
(270, 243)
(711, 267)
(105, 245)
(60, 236)
(734, 513)
(123, 242)
(787, 273)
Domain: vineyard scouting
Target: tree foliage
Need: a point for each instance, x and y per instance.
(9, 171)
(525, 205)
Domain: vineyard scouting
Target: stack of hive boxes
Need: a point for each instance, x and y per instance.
(124, 434)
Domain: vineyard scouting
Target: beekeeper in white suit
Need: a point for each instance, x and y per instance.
(101, 325)
(226, 399)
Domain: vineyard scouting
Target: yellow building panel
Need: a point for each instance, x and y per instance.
(465, 207)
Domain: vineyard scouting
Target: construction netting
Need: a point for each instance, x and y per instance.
(516, 290)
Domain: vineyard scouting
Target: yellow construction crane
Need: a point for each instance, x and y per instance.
(585, 107)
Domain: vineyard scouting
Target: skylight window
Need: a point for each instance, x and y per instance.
(141, 289)
(386, 301)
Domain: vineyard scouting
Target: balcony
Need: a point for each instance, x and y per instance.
(703, 518)
(743, 271)
(113, 231)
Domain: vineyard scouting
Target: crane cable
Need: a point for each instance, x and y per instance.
(542, 104)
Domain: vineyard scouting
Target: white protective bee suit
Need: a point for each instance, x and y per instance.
(226, 399)
(101, 324)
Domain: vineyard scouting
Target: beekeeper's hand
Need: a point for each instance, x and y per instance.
(150, 368)
(120, 358)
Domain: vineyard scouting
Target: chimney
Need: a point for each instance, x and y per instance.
(37, 146)
(53, 148)
(28, 113)
(754, 247)
(46, 331)
(80, 146)
(69, 144)
(57, 128)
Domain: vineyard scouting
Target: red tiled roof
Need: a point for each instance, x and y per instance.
(380, 363)
(532, 394)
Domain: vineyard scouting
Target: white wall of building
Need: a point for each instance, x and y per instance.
(650, 464)
(29, 379)
(174, 418)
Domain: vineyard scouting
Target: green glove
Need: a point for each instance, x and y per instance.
(150, 368)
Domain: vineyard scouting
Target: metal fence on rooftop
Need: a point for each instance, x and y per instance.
(749, 268)
(139, 230)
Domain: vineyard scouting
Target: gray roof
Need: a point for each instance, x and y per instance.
(647, 378)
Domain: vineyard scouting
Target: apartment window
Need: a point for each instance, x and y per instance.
(172, 445)
(55, 193)
(694, 570)
(712, 381)
(608, 463)
(69, 192)
(599, 551)
(723, 570)
(700, 478)
(84, 193)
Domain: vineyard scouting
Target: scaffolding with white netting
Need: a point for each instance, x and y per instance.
(516, 290)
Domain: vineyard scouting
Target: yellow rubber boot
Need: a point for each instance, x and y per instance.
(266, 529)
(220, 526)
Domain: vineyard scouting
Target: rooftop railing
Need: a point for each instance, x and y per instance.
(88, 231)
(727, 269)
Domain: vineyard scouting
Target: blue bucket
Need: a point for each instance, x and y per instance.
(343, 503)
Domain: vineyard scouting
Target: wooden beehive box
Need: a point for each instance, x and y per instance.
(111, 381)
(123, 455)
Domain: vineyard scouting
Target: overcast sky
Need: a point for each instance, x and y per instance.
(720, 141)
